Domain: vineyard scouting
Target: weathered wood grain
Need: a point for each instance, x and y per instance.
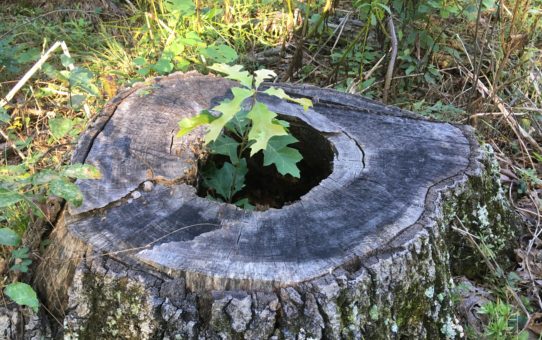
(375, 224)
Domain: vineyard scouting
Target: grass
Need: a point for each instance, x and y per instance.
(453, 63)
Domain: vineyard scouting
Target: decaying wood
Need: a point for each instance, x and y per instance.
(363, 254)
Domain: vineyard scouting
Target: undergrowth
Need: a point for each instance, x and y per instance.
(476, 62)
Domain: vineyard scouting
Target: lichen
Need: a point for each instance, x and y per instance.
(483, 210)
(117, 308)
(429, 292)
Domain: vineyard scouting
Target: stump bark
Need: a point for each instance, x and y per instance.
(366, 253)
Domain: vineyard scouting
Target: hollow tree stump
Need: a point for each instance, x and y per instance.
(365, 253)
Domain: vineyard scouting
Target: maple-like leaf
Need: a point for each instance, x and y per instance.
(226, 146)
(282, 156)
(261, 76)
(263, 127)
(238, 123)
(273, 91)
(228, 109)
(188, 124)
(228, 180)
(234, 72)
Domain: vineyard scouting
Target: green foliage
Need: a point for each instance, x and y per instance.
(228, 109)
(264, 127)
(22, 294)
(528, 180)
(21, 183)
(284, 157)
(59, 127)
(242, 128)
(21, 259)
(227, 180)
(8, 237)
(503, 321)
(439, 110)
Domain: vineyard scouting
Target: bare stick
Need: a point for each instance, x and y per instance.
(29, 74)
(11, 145)
(393, 57)
(19, 85)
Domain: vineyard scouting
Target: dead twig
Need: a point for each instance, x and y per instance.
(516, 128)
(27, 77)
(393, 57)
(29, 74)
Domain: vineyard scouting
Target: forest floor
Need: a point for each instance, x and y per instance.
(477, 63)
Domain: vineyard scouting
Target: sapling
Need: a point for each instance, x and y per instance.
(241, 127)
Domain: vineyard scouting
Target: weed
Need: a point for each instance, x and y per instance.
(504, 321)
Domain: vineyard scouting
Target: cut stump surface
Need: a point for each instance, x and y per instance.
(346, 260)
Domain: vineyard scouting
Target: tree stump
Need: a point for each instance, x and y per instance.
(365, 253)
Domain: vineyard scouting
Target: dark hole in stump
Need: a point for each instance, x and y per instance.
(265, 187)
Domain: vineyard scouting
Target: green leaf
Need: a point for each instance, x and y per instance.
(77, 101)
(282, 156)
(21, 259)
(81, 171)
(186, 125)
(228, 109)
(23, 294)
(192, 39)
(13, 173)
(263, 127)
(273, 91)
(65, 60)
(44, 177)
(9, 238)
(174, 49)
(163, 66)
(20, 253)
(144, 71)
(60, 126)
(83, 78)
(245, 204)
(226, 146)
(8, 197)
(139, 61)
(62, 187)
(21, 266)
(220, 53)
(228, 180)
(238, 123)
(261, 76)
(234, 72)
(4, 116)
(182, 7)
(29, 55)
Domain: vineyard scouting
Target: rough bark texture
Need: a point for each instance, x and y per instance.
(21, 323)
(364, 254)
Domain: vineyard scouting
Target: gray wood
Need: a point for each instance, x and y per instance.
(374, 226)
